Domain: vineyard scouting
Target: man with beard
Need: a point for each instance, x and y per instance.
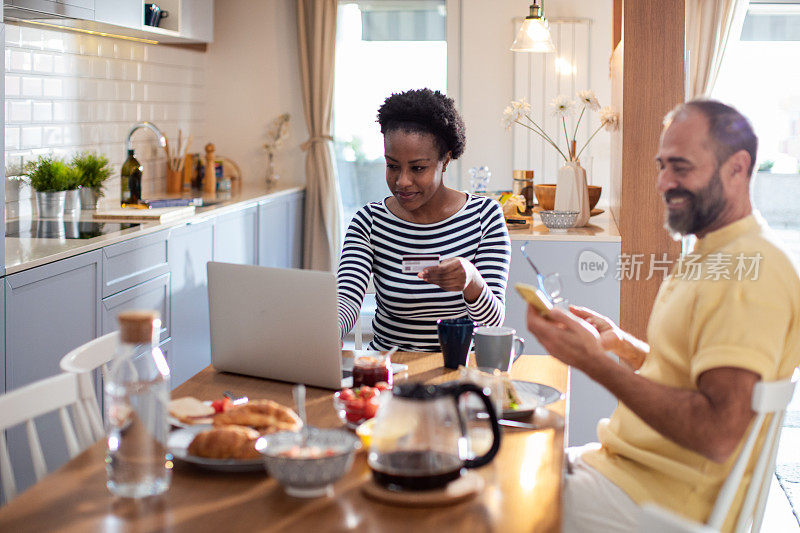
(685, 395)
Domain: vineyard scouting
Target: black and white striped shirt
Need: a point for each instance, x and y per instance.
(408, 307)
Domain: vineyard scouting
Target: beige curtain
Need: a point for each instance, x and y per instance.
(710, 24)
(316, 31)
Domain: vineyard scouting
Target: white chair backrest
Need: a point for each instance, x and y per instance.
(39, 398)
(82, 361)
(769, 398)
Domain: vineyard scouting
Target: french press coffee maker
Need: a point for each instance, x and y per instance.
(420, 440)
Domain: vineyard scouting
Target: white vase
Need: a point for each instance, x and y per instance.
(572, 194)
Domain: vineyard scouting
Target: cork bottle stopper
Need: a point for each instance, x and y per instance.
(137, 327)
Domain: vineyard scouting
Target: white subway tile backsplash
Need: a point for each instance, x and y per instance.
(19, 60)
(87, 89)
(52, 87)
(31, 137)
(12, 35)
(60, 64)
(12, 138)
(106, 90)
(43, 63)
(12, 85)
(52, 136)
(99, 68)
(31, 87)
(59, 111)
(67, 92)
(19, 111)
(124, 91)
(42, 112)
(30, 38)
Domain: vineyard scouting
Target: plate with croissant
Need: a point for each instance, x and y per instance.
(226, 441)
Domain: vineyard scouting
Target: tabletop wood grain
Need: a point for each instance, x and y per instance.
(522, 493)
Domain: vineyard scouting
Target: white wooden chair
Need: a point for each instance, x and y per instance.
(82, 361)
(39, 398)
(769, 398)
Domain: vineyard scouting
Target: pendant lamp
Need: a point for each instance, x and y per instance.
(534, 35)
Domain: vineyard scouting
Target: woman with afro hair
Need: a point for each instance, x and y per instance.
(422, 133)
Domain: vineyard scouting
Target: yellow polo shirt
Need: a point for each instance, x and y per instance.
(733, 302)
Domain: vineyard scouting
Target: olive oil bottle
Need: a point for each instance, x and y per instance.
(131, 180)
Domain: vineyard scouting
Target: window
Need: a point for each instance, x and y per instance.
(382, 47)
(760, 77)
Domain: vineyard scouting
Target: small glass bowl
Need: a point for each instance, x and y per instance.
(353, 419)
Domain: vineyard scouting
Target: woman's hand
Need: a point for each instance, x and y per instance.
(456, 274)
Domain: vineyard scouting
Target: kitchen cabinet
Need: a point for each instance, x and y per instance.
(133, 261)
(153, 294)
(280, 231)
(579, 264)
(49, 310)
(189, 21)
(197, 20)
(124, 13)
(190, 248)
(236, 236)
(76, 9)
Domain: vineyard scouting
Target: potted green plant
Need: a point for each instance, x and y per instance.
(93, 170)
(50, 178)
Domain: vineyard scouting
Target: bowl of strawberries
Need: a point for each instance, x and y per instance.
(354, 406)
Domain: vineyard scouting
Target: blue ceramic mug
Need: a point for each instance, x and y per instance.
(455, 337)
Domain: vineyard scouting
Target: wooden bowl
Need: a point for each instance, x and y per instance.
(546, 195)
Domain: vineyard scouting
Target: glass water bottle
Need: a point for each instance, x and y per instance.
(138, 463)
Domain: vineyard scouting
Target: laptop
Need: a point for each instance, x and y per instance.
(276, 323)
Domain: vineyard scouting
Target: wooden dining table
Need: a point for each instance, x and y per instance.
(522, 489)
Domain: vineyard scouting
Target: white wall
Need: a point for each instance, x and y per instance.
(487, 68)
(253, 76)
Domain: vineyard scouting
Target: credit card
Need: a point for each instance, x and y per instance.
(418, 263)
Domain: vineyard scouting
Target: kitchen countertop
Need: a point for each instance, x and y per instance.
(25, 253)
(601, 228)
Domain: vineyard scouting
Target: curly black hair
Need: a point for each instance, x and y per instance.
(425, 111)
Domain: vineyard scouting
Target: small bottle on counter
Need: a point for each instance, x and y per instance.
(138, 463)
(131, 180)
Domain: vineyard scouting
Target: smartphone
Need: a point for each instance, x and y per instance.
(534, 296)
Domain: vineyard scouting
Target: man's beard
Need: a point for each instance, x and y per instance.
(703, 209)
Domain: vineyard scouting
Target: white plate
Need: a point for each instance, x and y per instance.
(533, 395)
(174, 422)
(179, 440)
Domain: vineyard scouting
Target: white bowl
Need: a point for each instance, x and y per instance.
(559, 220)
(309, 477)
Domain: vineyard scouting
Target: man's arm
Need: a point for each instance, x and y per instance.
(710, 421)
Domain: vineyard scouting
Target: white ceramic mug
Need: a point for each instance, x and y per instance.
(494, 346)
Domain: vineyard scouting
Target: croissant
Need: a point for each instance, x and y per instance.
(265, 416)
(227, 442)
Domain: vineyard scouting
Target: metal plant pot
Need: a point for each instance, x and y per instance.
(89, 198)
(50, 204)
(72, 204)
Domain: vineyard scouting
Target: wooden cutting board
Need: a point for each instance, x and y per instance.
(160, 214)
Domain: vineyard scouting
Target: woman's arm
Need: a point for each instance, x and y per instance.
(492, 261)
(355, 269)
